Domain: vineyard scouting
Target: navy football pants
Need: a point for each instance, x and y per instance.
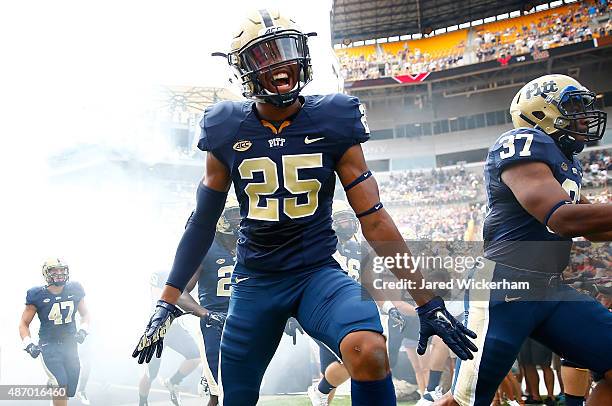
(61, 363)
(327, 303)
(571, 324)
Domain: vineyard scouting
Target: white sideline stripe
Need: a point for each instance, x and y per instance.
(212, 384)
(478, 321)
(52, 378)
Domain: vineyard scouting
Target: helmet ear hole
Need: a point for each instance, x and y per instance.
(538, 114)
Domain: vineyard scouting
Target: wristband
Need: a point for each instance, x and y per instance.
(27, 340)
(554, 209)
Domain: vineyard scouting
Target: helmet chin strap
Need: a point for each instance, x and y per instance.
(568, 144)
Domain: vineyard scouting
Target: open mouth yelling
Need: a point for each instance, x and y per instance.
(282, 80)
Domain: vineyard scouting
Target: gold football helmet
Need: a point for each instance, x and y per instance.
(55, 272)
(229, 222)
(560, 106)
(344, 221)
(270, 55)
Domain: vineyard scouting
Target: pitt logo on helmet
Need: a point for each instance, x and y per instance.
(562, 108)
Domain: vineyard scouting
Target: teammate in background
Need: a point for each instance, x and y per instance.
(282, 152)
(214, 287)
(533, 180)
(180, 340)
(55, 303)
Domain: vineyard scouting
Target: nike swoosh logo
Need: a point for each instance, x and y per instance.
(511, 299)
(238, 280)
(69, 296)
(311, 140)
(441, 315)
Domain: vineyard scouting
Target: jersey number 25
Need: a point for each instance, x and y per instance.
(270, 210)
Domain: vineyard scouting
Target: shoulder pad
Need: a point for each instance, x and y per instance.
(76, 287)
(220, 123)
(32, 295)
(339, 115)
(523, 145)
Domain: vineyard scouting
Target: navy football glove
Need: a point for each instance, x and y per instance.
(80, 336)
(397, 319)
(216, 320)
(152, 341)
(292, 327)
(436, 320)
(33, 350)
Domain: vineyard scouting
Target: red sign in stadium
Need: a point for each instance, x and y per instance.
(412, 78)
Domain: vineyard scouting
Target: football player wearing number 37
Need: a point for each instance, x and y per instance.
(282, 152)
(533, 179)
(56, 303)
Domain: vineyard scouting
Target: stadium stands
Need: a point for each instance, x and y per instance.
(499, 39)
(449, 199)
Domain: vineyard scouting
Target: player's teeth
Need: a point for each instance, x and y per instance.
(280, 76)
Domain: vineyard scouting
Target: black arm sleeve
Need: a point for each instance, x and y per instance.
(198, 236)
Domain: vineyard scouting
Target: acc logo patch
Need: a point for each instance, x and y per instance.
(220, 261)
(242, 146)
(47, 300)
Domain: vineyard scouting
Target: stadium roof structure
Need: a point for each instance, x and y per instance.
(192, 98)
(355, 20)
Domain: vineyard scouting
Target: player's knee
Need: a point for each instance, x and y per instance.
(240, 397)
(365, 355)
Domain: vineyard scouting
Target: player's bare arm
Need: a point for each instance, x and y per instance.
(26, 318)
(187, 302)
(538, 192)
(378, 228)
(84, 312)
(598, 236)
(381, 233)
(84, 324)
(24, 331)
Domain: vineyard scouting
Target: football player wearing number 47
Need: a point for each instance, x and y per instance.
(282, 152)
(533, 178)
(56, 303)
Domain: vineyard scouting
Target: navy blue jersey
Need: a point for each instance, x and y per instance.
(512, 236)
(284, 178)
(215, 278)
(348, 256)
(57, 313)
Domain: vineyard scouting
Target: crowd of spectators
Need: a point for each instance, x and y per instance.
(440, 204)
(597, 169)
(549, 31)
(567, 26)
(406, 61)
(440, 223)
(431, 187)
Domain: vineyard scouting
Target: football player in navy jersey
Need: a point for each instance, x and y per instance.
(213, 278)
(282, 151)
(180, 340)
(533, 178)
(56, 304)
